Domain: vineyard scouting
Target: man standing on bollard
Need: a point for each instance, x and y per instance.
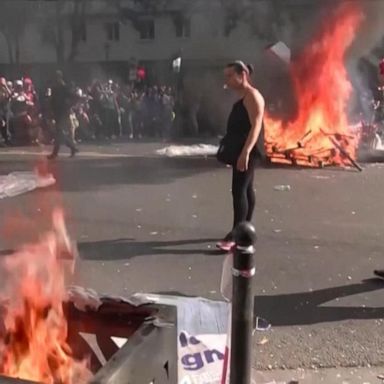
(61, 102)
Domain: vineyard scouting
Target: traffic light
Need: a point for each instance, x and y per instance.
(141, 73)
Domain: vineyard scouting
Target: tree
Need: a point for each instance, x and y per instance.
(14, 17)
(133, 10)
(269, 20)
(78, 25)
(63, 13)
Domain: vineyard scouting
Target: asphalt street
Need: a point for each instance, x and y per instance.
(145, 223)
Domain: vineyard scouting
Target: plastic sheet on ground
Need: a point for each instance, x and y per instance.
(18, 183)
(188, 150)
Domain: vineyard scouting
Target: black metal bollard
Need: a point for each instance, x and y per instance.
(244, 267)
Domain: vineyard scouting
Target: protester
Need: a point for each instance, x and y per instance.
(381, 72)
(5, 95)
(61, 103)
(101, 110)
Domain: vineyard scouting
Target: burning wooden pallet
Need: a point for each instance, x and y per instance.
(299, 155)
(319, 133)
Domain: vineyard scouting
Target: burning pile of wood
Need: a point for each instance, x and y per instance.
(320, 133)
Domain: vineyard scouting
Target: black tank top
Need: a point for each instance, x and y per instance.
(239, 127)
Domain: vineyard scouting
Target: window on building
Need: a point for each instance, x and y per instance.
(113, 31)
(183, 27)
(147, 29)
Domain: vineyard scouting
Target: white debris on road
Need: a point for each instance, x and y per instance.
(18, 183)
(188, 150)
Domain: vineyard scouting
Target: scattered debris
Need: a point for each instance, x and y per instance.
(83, 298)
(282, 188)
(263, 341)
(188, 150)
(18, 183)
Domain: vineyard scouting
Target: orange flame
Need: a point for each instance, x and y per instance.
(33, 342)
(322, 91)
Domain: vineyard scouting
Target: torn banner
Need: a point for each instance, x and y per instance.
(202, 329)
(202, 326)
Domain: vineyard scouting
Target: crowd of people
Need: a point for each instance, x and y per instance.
(100, 110)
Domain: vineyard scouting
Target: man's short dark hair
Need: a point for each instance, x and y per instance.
(240, 67)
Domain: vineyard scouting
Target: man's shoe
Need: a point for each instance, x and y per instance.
(379, 273)
(52, 156)
(73, 152)
(227, 243)
(225, 246)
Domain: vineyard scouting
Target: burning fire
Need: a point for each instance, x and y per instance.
(33, 338)
(319, 134)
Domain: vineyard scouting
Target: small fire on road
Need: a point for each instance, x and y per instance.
(33, 336)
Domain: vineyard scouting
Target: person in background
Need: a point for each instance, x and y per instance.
(33, 110)
(110, 111)
(21, 121)
(5, 95)
(167, 115)
(29, 91)
(381, 72)
(61, 103)
(245, 125)
(47, 120)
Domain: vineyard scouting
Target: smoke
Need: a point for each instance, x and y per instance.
(371, 32)
(362, 59)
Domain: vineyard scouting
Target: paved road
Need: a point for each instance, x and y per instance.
(145, 223)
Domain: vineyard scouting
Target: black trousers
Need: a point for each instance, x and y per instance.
(243, 194)
(4, 129)
(62, 134)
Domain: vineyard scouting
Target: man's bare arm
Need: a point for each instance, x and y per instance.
(254, 104)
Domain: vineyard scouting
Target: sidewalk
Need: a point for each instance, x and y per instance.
(328, 376)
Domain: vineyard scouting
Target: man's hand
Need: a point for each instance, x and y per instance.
(242, 162)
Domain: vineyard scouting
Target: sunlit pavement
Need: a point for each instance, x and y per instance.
(146, 223)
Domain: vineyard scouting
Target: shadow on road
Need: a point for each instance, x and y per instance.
(84, 174)
(123, 249)
(307, 308)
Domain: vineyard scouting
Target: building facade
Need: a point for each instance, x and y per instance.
(116, 34)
